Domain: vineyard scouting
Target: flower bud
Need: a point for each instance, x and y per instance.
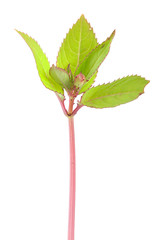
(79, 80)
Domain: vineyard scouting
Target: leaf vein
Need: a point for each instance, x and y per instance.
(110, 95)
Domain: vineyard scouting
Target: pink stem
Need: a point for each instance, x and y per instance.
(62, 105)
(71, 224)
(76, 109)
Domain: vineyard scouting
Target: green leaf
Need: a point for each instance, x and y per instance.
(88, 84)
(60, 76)
(42, 64)
(113, 94)
(94, 59)
(69, 73)
(78, 43)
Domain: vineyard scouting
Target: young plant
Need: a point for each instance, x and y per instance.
(78, 60)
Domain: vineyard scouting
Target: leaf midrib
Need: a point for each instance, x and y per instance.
(110, 95)
(79, 42)
(99, 55)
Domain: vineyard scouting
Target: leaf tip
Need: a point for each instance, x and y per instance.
(17, 31)
(148, 81)
(82, 16)
(113, 34)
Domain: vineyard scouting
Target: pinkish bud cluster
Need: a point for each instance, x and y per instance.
(79, 80)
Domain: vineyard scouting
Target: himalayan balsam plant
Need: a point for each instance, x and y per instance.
(78, 61)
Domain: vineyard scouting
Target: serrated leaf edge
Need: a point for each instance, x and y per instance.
(79, 102)
(120, 79)
(48, 77)
(30, 47)
(71, 29)
(91, 84)
(111, 36)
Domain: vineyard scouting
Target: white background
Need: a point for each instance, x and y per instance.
(119, 151)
